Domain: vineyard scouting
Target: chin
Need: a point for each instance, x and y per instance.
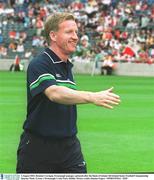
(73, 49)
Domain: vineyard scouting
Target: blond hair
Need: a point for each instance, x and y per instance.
(53, 21)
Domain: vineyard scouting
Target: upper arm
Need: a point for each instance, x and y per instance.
(50, 91)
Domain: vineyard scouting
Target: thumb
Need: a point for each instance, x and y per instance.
(111, 89)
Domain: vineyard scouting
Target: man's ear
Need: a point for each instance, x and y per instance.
(52, 35)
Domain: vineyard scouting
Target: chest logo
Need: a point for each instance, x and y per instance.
(58, 75)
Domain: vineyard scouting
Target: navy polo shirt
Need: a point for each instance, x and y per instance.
(44, 117)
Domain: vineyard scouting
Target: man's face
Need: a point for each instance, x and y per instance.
(66, 37)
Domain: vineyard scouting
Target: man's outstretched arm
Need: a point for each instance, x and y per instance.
(64, 95)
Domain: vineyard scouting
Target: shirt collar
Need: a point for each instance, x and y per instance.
(54, 58)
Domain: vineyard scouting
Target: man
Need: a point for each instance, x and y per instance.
(49, 143)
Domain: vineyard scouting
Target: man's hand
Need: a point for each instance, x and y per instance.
(105, 98)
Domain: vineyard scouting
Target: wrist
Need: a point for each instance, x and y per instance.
(90, 96)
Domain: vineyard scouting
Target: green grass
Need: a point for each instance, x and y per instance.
(113, 141)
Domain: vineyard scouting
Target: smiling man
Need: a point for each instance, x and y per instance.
(49, 143)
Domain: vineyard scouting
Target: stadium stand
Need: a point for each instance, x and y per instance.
(123, 29)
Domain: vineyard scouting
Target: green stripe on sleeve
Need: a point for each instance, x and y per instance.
(37, 83)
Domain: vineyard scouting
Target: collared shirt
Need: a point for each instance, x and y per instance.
(44, 117)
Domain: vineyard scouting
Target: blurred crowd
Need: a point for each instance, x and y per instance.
(109, 30)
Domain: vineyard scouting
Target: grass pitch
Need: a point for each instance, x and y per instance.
(113, 141)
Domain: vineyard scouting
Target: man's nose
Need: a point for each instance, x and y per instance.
(75, 36)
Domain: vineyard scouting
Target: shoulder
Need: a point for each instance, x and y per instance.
(41, 60)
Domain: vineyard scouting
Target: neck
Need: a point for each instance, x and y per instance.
(60, 54)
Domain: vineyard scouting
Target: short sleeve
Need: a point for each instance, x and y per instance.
(39, 77)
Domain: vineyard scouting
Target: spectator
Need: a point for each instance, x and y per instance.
(13, 45)
(107, 65)
(39, 25)
(84, 48)
(3, 51)
(16, 64)
(20, 47)
(1, 38)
